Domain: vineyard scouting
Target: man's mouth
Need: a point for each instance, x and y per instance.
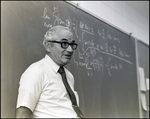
(68, 56)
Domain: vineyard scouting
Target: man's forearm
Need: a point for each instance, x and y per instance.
(23, 112)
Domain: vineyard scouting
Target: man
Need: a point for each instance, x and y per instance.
(42, 92)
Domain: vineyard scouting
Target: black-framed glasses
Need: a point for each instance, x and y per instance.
(65, 44)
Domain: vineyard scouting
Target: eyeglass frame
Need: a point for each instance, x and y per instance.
(61, 42)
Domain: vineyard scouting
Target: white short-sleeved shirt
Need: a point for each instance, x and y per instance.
(43, 92)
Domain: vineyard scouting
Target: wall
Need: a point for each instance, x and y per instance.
(121, 15)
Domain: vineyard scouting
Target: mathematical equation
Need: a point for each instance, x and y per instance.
(57, 21)
(91, 51)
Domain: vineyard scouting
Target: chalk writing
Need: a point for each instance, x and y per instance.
(109, 66)
(90, 53)
(84, 27)
(45, 16)
(47, 25)
(75, 27)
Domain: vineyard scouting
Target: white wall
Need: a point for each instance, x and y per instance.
(121, 15)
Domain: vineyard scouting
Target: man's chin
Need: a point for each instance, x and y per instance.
(66, 61)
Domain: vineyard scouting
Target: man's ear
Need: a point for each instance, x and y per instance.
(47, 46)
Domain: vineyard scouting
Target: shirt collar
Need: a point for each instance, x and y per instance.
(51, 63)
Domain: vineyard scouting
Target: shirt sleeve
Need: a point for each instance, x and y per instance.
(30, 89)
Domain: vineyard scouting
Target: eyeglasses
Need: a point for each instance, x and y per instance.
(65, 44)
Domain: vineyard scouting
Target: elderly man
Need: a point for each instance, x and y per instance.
(46, 87)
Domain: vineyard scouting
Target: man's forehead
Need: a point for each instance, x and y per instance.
(66, 34)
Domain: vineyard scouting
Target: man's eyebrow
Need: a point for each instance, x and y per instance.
(64, 39)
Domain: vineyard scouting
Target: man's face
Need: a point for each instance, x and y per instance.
(59, 55)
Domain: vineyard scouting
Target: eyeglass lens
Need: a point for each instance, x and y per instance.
(66, 45)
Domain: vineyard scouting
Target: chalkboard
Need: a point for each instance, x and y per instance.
(104, 65)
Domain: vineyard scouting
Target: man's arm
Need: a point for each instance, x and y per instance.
(23, 112)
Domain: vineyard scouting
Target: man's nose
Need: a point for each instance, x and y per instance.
(69, 49)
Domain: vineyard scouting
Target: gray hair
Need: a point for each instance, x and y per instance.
(51, 34)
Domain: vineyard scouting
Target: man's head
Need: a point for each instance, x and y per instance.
(56, 44)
